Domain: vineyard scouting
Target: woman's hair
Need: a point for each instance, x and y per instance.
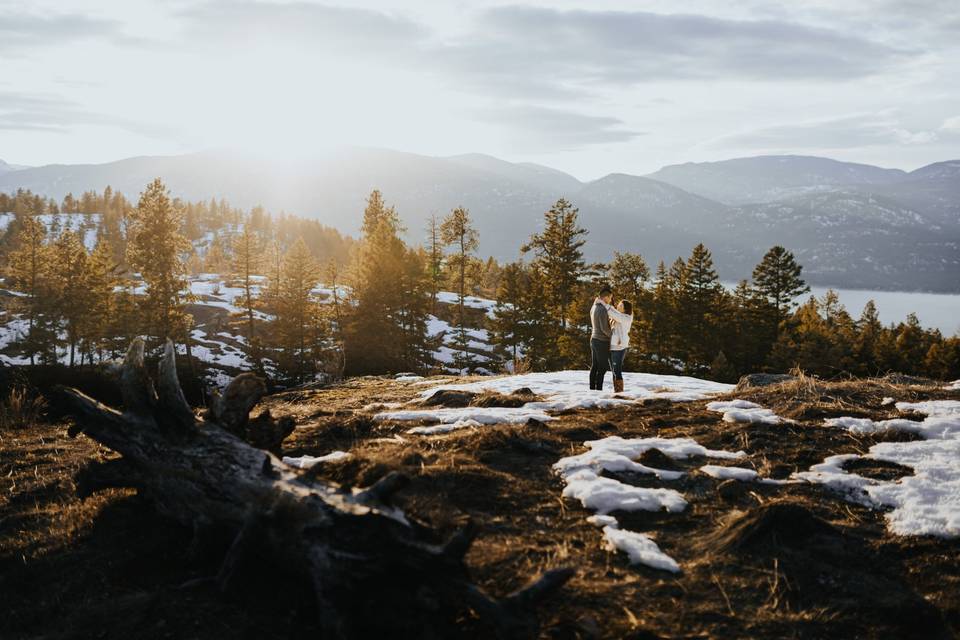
(627, 306)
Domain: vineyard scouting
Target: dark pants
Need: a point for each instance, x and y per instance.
(599, 362)
(616, 362)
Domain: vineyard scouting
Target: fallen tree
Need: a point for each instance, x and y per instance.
(368, 567)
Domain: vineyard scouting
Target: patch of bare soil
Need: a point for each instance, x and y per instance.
(758, 560)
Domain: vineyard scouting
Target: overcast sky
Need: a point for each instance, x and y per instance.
(587, 87)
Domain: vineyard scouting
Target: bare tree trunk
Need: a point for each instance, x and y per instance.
(357, 552)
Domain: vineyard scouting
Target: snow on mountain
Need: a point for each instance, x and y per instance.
(767, 178)
(661, 216)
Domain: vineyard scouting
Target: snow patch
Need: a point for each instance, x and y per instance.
(639, 548)
(305, 462)
(724, 473)
(925, 503)
(582, 474)
(744, 411)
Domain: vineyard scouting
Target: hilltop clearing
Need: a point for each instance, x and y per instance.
(688, 508)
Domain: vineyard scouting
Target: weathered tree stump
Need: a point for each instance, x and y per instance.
(355, 551)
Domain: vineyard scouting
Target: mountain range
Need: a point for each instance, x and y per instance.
(850, 225)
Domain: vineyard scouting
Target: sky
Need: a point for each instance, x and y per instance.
(586, 87)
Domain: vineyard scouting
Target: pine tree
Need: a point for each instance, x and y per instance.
(656, 342)
(332, 277)
(434, 259)
(101, 280)
(866, 343)
(71, 274)
(30, 269)
(701, 296)
(386, 327)
(457, 230)
(247, 252)
(507, 323)
(155, 248)
(296, 312)
(628, 276)
(777, 278)
(558, 252)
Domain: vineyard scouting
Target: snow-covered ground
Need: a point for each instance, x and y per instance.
(559, 390)
(223, 345)
(744, 411)
(563, 390)
(305, 462)
(925, 503)
(584, 482)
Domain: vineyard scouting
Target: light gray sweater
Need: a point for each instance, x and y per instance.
(600, 321)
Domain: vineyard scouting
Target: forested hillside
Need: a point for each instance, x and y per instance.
(861, 226)
(293, 300)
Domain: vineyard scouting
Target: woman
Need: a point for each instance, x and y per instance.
(621, 317)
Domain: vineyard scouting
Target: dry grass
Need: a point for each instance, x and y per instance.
(809, 398)
(21, 409)
(759, 561)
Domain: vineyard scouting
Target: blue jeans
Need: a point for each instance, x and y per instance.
(616, 363)
(599, 362)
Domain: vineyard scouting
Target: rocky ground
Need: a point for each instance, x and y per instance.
(759, 560)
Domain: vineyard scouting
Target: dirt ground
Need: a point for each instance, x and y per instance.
(758, 560)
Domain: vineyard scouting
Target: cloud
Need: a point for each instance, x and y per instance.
(589, 49)
(350, 30)
(545, 129)
(859, 130)
(22, 31)
(951, 125)
(51, 113)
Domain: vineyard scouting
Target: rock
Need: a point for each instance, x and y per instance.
(912, 381)
(754, 380)
(658, 460)
(449, 398)
(731, 490)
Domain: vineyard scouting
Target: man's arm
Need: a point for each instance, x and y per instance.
(603, 321)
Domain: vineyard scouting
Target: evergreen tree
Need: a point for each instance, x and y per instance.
(71, 278)
(507, 323)
(458, 230)
(700, 298)
(296, 313)
(101, 280)
(777, 278)
(386, 327)
(434, 259)
(628, 276)
(155, 249)
(558, 252)
(866, 342)
(656, 341)
(30, 269)
(247, 251)
(332, 277)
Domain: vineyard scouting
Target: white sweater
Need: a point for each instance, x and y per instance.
(620, 329)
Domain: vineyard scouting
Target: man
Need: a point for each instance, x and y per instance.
(600, 338)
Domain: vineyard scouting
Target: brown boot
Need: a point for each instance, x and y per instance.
(617, 385)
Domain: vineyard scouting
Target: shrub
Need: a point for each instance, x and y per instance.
(20, 409)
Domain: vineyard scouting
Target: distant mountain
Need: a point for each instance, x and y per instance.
(6, 167)
(851, 225)
(769, 178)
(526, 172)
(934, 189)
(858, 240)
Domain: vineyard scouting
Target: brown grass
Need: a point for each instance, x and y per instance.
(21, 409)
(759, 561)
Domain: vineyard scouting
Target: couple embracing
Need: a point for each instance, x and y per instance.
(609, 339)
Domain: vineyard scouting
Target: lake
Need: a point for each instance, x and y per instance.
(939, 310)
